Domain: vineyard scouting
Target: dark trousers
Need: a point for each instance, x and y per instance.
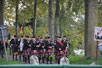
(2, 53)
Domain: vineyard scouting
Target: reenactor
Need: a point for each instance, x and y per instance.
(59, 47)
(34, 46)
(38, 40)
(14, 46)
(45, 41)
(1, 49)
(55, 48)
(20, 50)
(38, 45)
(41, 50)
(6, 43)
(27, 49)
(49, 50)
(66, 46)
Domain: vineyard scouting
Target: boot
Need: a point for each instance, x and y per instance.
(16, 57)
(20, 58)
(59, 61)
(39, 59)
(28, 59)
(2, 55)
(47, 59)
(43, 59)
(50, 60)
(23, 58)
(13, 57)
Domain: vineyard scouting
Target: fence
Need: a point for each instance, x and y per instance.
(50, 66)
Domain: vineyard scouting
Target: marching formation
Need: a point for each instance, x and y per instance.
(44, 49)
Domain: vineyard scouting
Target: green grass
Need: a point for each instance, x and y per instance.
(3, 62)
(73, 60)
(83, 60)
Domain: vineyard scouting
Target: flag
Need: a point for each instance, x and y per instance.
(21, 30)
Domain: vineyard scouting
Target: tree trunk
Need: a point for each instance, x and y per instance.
(1, 12)
(34, 20)
(56, 25)
(50, 26)
(17, 1)
(91, 20)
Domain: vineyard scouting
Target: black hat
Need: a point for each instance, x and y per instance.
(59, 36)
(21, 36)
(38, 36)
(15, 36)
(64, 36)
(33, 37)
(27, 36)
(48, 37)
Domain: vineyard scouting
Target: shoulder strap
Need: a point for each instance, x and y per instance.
(60, 43)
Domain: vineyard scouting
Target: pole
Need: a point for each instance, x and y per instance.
(17, 1)
(23, 26)
(97, 53)
(4, 45)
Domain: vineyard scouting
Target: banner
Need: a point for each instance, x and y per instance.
(98, 34)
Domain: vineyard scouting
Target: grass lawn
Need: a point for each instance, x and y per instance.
(3, 62)
(83, 60)
(73, 60)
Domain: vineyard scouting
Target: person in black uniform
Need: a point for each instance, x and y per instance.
(55, 48)
(42, 50)
(21, 45)
(38, 39)
(27, 49)
(14, 46)
(66, 46)
(38, 46)
(1, 49)
(34, 46)
(59, 47)
(49, 50)
(45, 41)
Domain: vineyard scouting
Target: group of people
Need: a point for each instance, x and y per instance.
(44, 49)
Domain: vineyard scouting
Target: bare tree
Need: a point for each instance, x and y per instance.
(17, 1)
